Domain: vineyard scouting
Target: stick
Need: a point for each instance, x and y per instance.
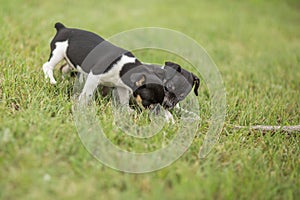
(289, 129)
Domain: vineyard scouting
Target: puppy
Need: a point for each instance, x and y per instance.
(177, 82)
(107, 65)
(114, 66)
(175, 92)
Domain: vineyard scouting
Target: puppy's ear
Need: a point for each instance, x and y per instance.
(171, 69)
(173, 65)
(138, 79)
(196, 83)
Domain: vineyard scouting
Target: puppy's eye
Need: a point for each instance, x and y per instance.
(166, 89)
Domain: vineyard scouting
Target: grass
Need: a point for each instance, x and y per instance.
(255, 44)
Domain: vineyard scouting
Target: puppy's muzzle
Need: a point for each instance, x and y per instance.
(169, 102)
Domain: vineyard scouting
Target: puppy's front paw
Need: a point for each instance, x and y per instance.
(169, 117)
(84, 99)
(53, 82)
(130, 110)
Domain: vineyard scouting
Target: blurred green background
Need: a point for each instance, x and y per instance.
(256, 46)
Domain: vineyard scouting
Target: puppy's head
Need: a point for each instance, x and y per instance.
(178, 83)
(148, 89)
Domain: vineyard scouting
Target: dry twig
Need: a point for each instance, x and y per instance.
(264, 128)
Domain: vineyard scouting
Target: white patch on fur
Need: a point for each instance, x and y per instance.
(82, 74)
(89, 87)
(58, 54)
(182, 110)
(111, 79)
(123, 96)
(169, 117)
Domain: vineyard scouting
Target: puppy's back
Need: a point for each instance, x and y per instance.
(80, 42)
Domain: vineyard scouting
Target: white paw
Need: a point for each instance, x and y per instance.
(130, 110)
(53, 82)
(169, 117)
(84, 99)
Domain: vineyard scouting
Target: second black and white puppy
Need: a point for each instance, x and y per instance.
(177, 83)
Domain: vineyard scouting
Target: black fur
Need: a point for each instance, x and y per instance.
(81, 42)
(59, 26)
(150, 94)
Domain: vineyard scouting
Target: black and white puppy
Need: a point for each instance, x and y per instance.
(113, 66)
(102, 62)
(177, 83)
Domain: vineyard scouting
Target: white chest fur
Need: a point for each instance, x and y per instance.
(112, 77)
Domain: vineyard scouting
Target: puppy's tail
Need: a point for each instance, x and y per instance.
(59, 26)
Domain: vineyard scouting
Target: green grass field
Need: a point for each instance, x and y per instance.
(256, 46)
